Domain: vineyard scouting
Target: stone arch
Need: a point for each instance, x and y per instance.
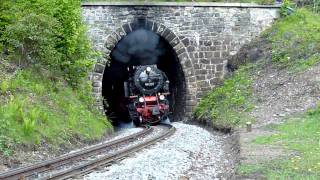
(179, 47)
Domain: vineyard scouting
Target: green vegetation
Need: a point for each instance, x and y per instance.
(35, 110)
(40, 107)
(296, 40)
(226, 105)
(45, 57)
(46, 33)
(300, 135)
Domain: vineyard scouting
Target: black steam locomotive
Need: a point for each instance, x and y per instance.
(146, 91)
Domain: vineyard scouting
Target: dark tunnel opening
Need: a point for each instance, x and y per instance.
(142, 47)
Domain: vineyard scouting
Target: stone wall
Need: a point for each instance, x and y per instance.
(204, 35)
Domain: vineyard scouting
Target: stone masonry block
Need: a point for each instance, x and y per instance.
(204, 37)
(174, 42)
(99, 68)
(97, 76)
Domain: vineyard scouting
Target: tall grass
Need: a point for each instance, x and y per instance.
(226, 105)
(40, 110)
(296, 40)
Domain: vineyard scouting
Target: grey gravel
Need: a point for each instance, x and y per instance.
(191, 153)
(108, 151)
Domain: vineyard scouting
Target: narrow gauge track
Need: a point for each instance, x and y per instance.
(58, 166)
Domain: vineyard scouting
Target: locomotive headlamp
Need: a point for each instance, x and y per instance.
(148, 69)
(141, 99)
(161, 97)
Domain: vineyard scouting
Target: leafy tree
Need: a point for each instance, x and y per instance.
(4, 19)
(32, 40)
(49, 33)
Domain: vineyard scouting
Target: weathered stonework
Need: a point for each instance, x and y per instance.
(204, 36)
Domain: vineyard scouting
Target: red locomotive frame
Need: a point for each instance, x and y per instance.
(152, 109)
(147, 90)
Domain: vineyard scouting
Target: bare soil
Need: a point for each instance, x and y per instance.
(278, 95)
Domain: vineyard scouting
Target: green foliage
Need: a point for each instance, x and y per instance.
(296, 40)
(39, 111)
(226, 104)
(4, 17)
(286, 8)
(48, 41)
(301, 135)
(31, 40)
(3, 87)
(47, 33)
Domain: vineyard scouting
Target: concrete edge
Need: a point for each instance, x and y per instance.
(180, 4)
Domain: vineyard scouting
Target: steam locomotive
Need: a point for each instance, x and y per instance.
(147, 91)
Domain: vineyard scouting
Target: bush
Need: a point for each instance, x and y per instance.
(47, 33)
(32, 39)
(225, 105)
(4, 17)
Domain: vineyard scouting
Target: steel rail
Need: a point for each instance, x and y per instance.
(89, 166)
(26, 171)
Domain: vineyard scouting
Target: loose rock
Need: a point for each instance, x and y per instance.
(191, 153)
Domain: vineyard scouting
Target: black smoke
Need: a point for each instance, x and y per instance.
(140, 47)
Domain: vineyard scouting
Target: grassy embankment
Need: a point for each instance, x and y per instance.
(45, 57)
(295, 43)
(38, 107)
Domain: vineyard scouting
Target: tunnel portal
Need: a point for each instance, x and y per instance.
(141, 47)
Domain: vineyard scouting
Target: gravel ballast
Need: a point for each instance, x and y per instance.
(192, 152)
(28, 158)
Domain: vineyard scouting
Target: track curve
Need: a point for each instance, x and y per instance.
(87, 167)
(42, 170)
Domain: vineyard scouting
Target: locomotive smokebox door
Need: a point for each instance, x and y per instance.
(147, 89)
(155, 111)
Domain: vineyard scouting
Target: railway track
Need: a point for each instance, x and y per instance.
(82, 162)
